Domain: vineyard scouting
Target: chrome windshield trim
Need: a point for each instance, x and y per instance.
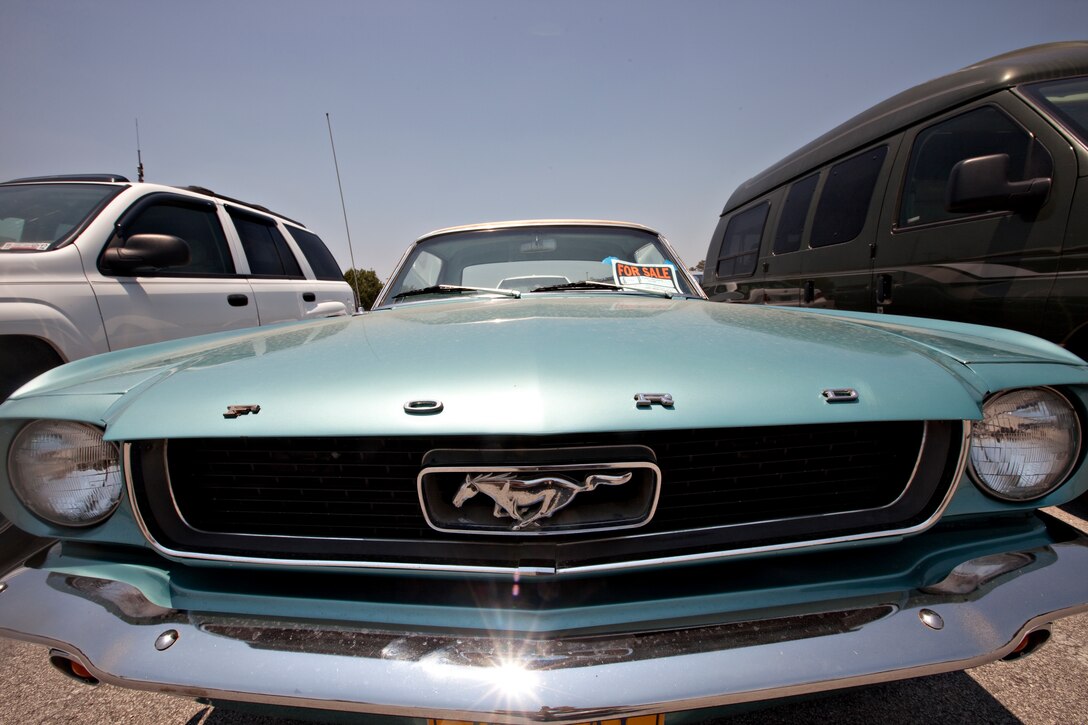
(575, 570)
(384, 301)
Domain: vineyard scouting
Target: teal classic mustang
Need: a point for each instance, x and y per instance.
(547, 481)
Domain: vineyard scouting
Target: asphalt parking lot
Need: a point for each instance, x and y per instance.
(1050, 686)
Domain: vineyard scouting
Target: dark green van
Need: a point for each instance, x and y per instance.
(963, 198)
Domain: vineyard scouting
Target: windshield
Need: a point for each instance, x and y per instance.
(38, 217)
(1067, 100)
(538, 259)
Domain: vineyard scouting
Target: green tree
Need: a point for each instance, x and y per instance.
(368, 286)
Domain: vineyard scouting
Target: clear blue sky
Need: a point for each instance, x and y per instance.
(448, 112)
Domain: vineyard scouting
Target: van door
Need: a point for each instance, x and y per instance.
(836, 269)
(990, 267)
(780, 264)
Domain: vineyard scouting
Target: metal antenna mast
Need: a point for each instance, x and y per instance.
(351, 252)
(139, 158)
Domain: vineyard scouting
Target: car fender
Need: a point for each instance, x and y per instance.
(73, 330)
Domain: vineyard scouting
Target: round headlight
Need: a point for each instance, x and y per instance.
(1025, 445)
(65, 473)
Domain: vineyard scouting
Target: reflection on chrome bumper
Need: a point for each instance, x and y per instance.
(977, 614)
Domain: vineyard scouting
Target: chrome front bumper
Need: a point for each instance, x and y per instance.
(977, 614)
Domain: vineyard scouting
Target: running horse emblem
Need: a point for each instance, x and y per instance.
(515, 498)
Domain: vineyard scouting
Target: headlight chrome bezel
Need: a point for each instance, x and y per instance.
(31, 489)
(1066, 471)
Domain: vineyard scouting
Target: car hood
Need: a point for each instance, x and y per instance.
(543, 365)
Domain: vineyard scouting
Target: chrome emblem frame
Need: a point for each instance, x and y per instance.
(534, 500)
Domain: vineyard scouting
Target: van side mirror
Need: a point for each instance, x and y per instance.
(146, 253)
(982, 184)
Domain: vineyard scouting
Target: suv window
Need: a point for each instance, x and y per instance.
(37, 217)
(792, 224)
(844, 202)
(265, 247)
(197, 224)
(740, 246)
(937, 149)
(317, 254)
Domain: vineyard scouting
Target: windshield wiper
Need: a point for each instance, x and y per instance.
(594, 284)
(453, 289)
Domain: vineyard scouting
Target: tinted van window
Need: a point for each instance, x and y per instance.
(791, 227)
(844, 202)
(937, 149)
(1067, 100)
(740, 247)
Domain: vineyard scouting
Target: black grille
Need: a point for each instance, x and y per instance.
(366, 487)
(355, 499)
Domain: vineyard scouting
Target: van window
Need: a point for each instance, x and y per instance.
(740, 247)
(792, 224)
(844, 202)
(937, 149)
(1067, 100)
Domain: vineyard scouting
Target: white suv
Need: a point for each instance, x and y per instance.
(90, 264)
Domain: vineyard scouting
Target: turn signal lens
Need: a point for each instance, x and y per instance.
(1026, 444)
(65, 473)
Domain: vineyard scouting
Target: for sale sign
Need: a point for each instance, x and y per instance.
(660, 277)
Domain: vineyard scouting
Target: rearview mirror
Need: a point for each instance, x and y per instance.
(982, 184)
(143, 253)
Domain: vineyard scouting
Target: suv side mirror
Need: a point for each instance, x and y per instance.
(982, 184)
(146, 253)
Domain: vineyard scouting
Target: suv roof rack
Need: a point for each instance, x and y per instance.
(71, 177)
(209, 192)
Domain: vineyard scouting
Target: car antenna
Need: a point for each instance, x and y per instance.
(139, 158)
(347, 230)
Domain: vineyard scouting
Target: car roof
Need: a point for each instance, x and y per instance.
(489, 226)
(100, 178)
(149, 186)
(1035, 63)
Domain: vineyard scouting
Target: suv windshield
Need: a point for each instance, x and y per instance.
(38, 217)
(1067, 100)
(537, 259)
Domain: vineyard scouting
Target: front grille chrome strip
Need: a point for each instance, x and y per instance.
(703, 557)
